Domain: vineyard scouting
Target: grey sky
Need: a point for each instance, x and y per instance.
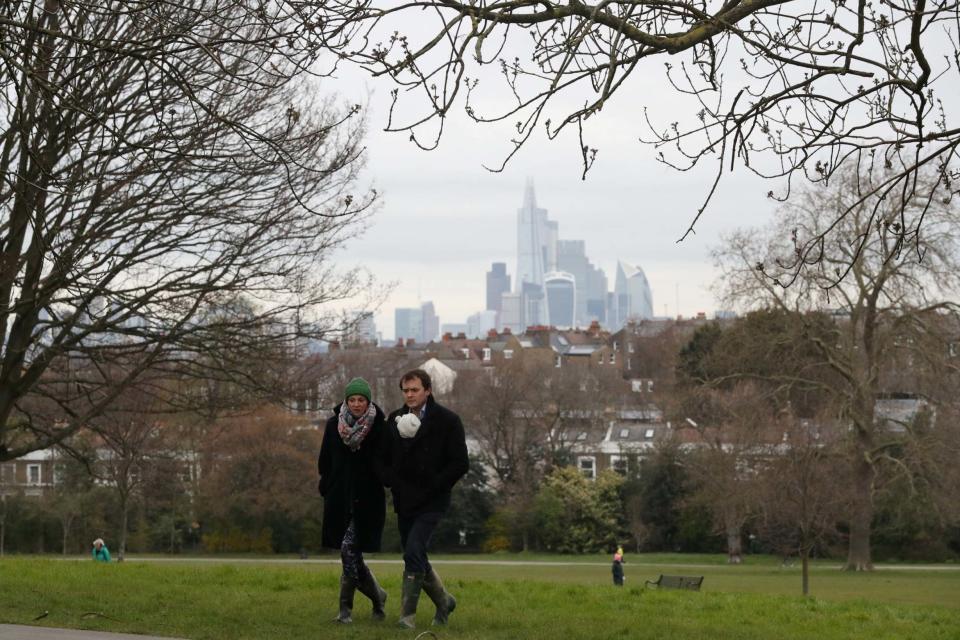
(444, 218)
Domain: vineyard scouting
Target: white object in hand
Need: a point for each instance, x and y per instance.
(407, 425)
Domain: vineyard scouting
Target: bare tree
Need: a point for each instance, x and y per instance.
(526, 415)
(887, 305)
(132, 436)
(511, 445)
(638, 527)
(68, 497)
(787, 89)
(802, 501)
(158, 161)
(731, 426)
(3, 511)
(262, 470)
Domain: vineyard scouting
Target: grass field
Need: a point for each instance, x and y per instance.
(538, 598)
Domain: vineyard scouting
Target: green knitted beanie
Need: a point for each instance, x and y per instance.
(357, 387)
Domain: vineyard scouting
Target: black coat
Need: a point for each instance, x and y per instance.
(351, 485)
(422, 470)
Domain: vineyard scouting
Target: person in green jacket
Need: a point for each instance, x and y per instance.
(100, 551)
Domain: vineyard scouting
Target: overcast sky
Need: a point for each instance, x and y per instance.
(444, 218)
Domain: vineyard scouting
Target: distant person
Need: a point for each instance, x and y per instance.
(426, 455)
(100, 551)
(354, 502)
(617, 568)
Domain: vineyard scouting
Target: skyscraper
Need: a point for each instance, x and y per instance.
(533, 299)
(572, 259)
(536, 247)
(512, 313)
(591, 281)
(363, 329)
(596, 296)
(429, 323)
(561, 291)
(498, 283)
(408, 323)
(633, 296)
(481, 322)
(551, 238)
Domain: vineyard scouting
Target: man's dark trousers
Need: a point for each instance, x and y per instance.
(415, 534)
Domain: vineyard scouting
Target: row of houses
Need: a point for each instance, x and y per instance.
(641, 354)
(640, 357)
(634, 363)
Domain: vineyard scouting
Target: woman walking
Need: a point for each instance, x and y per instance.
(354, 500)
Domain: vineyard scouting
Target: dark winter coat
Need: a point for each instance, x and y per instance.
(351, 485)
(617, 570)
(422, 470)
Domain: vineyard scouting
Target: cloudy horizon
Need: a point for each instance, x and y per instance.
(444, 218)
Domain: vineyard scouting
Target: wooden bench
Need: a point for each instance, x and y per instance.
(691, 583)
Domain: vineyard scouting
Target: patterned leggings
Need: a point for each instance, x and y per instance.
(350, 556)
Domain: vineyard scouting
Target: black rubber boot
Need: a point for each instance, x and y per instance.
(412, 584)
(442, 600)
(347, 587)
(369, 587)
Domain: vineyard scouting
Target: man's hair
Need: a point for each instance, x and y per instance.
(416, 374)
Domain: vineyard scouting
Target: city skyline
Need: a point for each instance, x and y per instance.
(555, 283)
(445, 217)
(565, 249)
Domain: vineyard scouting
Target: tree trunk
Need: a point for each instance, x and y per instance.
(861, 517)
(734, 545)
(66, 532)
(805, 570)
(734, 540)
(121, 548)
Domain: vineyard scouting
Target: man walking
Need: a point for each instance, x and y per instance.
(425, 457)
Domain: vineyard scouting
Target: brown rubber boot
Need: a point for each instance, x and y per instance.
(369, 587)
(442, 600)
(412, 584)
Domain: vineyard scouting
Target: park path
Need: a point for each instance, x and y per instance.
(510, 563)
(23, 632)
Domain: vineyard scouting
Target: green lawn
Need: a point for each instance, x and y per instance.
(201, 600)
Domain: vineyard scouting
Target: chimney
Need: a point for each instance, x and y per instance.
(461, 336)
(492, 334)
(411, 342)
(594, 329)
(447, 337)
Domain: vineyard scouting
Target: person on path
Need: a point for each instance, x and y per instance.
(617, 568)
(354, 502)
(100, 552)
(425, 456)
